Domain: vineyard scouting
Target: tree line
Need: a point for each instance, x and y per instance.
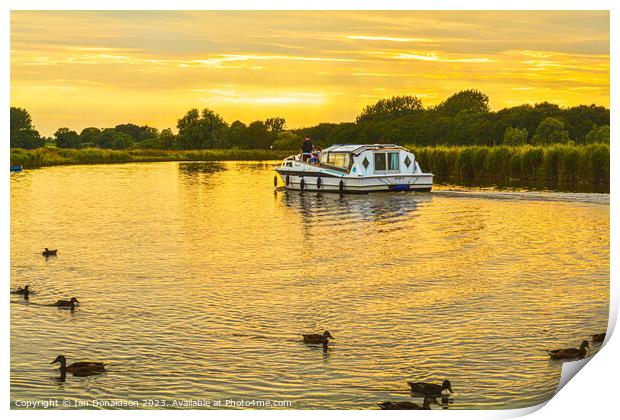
(462, 119)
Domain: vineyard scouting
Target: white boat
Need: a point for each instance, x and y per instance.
(356, 168)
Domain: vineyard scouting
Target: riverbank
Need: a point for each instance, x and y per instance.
(583, 165)
(547, 165)
(49, 156)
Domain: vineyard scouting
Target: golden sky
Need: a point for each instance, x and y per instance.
(95, 68)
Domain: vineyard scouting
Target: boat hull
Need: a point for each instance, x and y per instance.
(330, 182)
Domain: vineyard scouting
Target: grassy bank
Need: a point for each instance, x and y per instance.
(587, 164)
(558, 163)
(52, 156)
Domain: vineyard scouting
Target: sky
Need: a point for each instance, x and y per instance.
(80, 69)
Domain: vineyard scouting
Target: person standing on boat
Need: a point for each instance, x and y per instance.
(306, 148)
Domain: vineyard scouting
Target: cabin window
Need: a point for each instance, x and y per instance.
(387, 162)
(393, 161)
(338, 160)
(380, 162)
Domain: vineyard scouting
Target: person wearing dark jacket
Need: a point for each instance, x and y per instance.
(306, 148)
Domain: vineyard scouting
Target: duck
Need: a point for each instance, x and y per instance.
(428, 389)
(570, 353)
(598, 338)
(67, 303)
(408, 405)
(50, 252)
(78, 367)
(21, 290)
(318, 338)
(24, 291)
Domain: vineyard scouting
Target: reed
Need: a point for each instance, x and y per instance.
(54, 156)
(562, 163)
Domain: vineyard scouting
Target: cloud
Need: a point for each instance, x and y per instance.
(388, 38)
(310, 66)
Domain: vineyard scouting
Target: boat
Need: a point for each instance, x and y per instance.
(355, 168)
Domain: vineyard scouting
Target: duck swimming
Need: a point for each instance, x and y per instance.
(408, 405)
(596, 338)
(24, 291)
(83, 368)
(570, 353)
(67, 303)
(21, 290)
(318, 338)
(428, 389)
(50, 252)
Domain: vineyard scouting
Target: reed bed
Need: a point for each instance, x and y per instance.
(54, 156)
(561, 163)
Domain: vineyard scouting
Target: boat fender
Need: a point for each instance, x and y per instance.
(302, 183)
(341, 187)
(275, 181)
(318, 182)
(287, 180)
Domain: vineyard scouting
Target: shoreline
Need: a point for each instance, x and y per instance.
(569, 168)
(42, 157)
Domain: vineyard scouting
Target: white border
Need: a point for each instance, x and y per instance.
(590, 395)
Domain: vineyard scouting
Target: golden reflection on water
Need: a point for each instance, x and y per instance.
(197, 281)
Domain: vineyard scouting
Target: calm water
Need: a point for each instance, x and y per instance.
(196, 281)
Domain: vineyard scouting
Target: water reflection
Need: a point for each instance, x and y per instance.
(351, 208)
(209, 280)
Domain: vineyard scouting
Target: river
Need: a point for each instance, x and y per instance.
(196, 281)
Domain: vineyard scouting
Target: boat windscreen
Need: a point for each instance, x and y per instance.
(336, 159)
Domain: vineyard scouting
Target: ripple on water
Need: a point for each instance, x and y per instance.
(195, 286)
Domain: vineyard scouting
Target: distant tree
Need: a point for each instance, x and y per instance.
(258, 136)
(106, 138)
(471, 127)
(137, 133)
(202, 130)
(598, 135)
(22, 132)
(152, 143)
(579, 120)
(515, 136)
(393, 107)
(167, 140)
(275, 125)
(133, 130)
(239, 135)
(90, 136)
(472, 100)
(66, 138)
(549, 131)
(287, 140)
(121, 140)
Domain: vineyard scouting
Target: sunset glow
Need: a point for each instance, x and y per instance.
(80, 69)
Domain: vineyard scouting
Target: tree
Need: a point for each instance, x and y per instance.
(121, 140)
(66, 138)
(167, 140)
(22, 132)
(472, 100)
(515, 136)
(238, 134)
(549, 131)
(598, 135)
(395, 106)
(202, 130)
(258, 135)
(137, 133)
(275, 125)
(286, 140)
(90, 136)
